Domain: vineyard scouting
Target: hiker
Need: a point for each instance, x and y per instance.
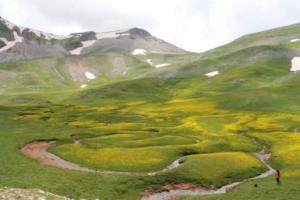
(277, 174)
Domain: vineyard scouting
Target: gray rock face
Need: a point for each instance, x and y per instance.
(28, 35)
(18, 43)
(72, 43)
(2, 44)
(5, 32)
(138, 33)
(86, 36)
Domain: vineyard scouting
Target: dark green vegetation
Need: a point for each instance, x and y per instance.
(144, 119)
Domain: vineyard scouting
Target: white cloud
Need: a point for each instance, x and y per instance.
(191, 24)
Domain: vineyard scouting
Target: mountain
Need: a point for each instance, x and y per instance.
(67, 62)
(276, 44)
(283, 36)
(19, 43)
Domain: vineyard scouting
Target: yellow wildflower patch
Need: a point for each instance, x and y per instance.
(121, 159)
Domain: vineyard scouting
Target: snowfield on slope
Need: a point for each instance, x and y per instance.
(294, 40)
(149, 61)
(212, 74)
(83, 86)
(295, 64)
(84, 45)
(47, 36)
(162, 65)
(114, 34)
(139, 52)
(90, 75)
(10, 44)
(99, 36)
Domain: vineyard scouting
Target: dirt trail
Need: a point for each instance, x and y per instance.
(37, 150)
(173, 193)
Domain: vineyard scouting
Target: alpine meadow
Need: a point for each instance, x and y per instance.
(125, 115)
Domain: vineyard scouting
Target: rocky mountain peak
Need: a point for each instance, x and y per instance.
(21, 43)
(138, 33)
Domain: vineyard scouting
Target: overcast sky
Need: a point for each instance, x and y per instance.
(195, 25)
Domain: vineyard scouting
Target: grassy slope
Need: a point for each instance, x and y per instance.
(274, 37)
(68, 73)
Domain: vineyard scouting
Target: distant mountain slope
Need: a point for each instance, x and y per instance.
(280, 43)
(113, 59)
(19, 43)
(62, 73)
(284, 36)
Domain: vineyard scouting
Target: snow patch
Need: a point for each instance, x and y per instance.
(99, 36)
(295, 64)
(106, 35)
(10, 44)
(139, 52)
(88, 43)
(212, 74)
(8, 24)
(162, 65)
(114, 34)
(76, 51)
(90, 75)
(149, 61)
(294, 40)
(47, 36)
(36, 32)
(83, 86)
(85, 44)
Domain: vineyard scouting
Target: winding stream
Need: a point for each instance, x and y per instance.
(171, 194)
(38, 150)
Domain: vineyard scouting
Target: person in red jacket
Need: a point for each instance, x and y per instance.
(278, 176)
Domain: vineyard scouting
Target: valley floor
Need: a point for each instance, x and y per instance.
(216, 144)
